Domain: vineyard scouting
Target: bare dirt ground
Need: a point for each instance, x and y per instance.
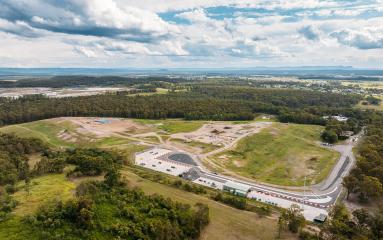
(220, 133)
(105, 127)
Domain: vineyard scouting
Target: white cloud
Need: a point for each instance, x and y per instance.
(103, 18)
(362, 39)
(177, 5)
(129, 32)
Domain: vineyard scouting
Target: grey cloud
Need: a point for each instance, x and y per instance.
(361, 40)
(309, 33)
(90, 18)
(19, 28)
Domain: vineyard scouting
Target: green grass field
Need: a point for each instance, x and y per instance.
(45, 188)
(42, 189)
(174, 125)
(281, 154)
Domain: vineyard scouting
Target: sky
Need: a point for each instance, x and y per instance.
(191, 33)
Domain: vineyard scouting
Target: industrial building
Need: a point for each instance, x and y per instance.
(236, 188)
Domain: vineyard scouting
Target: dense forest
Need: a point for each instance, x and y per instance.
(366, 179)
(85, 81)
(360, 224)
(214, 103)
(13, 157)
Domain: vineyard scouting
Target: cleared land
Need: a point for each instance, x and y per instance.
(193, 146)
(364, 84)
(172, 126)
(281, 154)
(75, 132)
(370, 106)
(221, 133)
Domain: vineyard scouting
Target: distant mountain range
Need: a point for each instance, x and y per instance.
(314, 72)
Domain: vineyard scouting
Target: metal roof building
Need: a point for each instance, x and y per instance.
(236, 188)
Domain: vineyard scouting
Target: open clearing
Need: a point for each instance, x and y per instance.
(42, 189)
(370, 106)
(220, 133)
(365, 84)
(75, 132)
(193, 146)
(281, 154)
(171, 126)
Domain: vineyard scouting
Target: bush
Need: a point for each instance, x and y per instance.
(329, 136)
(10, 188)
(234, 201)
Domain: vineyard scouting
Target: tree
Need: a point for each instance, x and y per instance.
(351, 183)
(338, 226)
(329, 136)
(291, 218)
(112, 177)
(27, 185)
(370, 187)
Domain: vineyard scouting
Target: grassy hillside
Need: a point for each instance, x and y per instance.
(49, 130)
(281, 154)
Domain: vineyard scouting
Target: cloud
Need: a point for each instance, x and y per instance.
(177, 5)
(309, 33)
(197, 15)
(19, 28)
(366, 39)
(173, 32)
(98, 48)
(85, 51)
(103, 18)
